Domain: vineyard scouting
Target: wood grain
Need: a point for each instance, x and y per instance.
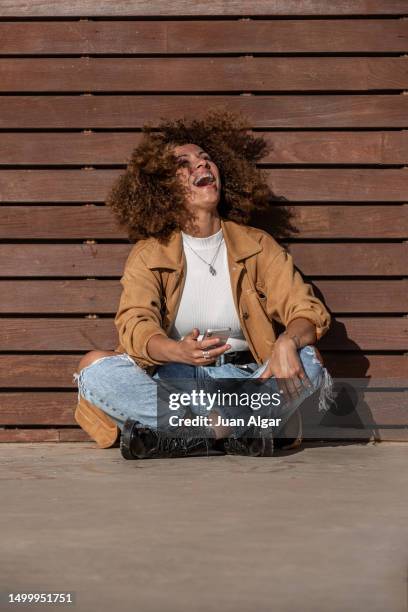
(89, 148)
(37, 408)
(232, 8)
(235, 75)
(98, 222)
(296, 185)
(368, 411)
(56, 370)
(104, 260)
(93, 296)
(360, 365)
(205, 36)
(133, 111)
(325, 91)
(67, 434)
(85, 334)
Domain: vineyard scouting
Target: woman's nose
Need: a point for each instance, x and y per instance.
(202, 162)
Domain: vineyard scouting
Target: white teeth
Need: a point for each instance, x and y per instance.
(204, 176)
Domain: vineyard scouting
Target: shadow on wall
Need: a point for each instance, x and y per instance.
(277, 220)
(351, 417)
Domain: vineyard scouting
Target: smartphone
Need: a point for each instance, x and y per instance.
(222, 334)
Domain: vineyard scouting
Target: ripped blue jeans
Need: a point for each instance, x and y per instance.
(119, 387)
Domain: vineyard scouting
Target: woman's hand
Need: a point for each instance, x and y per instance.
(286, 366)
(190, 350)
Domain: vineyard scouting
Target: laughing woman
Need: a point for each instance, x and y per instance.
(187, 198)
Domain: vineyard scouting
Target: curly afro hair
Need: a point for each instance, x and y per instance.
(148, 199)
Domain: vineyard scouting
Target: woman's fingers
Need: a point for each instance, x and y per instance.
(291, 387)
(294, 374)
(297, 384)
(287, 368)
(212, 342)
(194, 350)
(195, 332)
(292, 382)
(207, 356)
(215, 351)
(205, 345)
(305, 379)
(203, 355)
(283, 389)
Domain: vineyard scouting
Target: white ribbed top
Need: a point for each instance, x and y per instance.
(207, 300)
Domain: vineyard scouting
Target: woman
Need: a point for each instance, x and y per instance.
(186, 198)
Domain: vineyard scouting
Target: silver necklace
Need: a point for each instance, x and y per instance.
(211, 268)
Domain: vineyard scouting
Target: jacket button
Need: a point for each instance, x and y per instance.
(245, 315)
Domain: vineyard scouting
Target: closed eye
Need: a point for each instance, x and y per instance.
(181, 161)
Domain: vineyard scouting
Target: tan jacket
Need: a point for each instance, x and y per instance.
(265, 285)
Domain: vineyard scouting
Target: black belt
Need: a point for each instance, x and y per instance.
(238, 357)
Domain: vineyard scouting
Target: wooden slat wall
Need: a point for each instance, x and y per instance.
(325, 82)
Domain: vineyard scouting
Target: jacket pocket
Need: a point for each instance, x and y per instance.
(261, 295)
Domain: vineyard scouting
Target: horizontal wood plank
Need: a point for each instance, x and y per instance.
(232, 8)
(37, 408)
(102, 260)
(235, 75)
(363, 296)
(368, 411)
(296, 185)
(351, 221)
(133, 111)
(102, 296)
(360, 365)
(22, 371)
(357, 259)
(98, 222)
(56, 370)
(65, 296)
(77, 334)
(44, 408)
(359, 414)
(301, 147)
(67, 434)
(210, 37)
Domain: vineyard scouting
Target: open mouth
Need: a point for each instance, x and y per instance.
(205, 180)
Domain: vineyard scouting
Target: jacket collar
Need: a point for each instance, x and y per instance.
(238, 241)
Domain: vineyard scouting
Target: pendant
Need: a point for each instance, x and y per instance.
(212, 270)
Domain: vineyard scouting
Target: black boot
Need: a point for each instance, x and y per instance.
(250, 444)
(140, 442)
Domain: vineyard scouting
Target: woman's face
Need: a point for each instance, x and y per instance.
(200, 175)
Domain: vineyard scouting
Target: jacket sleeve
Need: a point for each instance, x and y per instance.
(290, 298)
(138, 317)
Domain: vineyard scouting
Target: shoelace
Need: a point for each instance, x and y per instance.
(176, 445)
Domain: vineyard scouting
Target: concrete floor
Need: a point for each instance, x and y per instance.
(323, 529)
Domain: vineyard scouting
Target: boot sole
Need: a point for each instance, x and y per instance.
(257, 447)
